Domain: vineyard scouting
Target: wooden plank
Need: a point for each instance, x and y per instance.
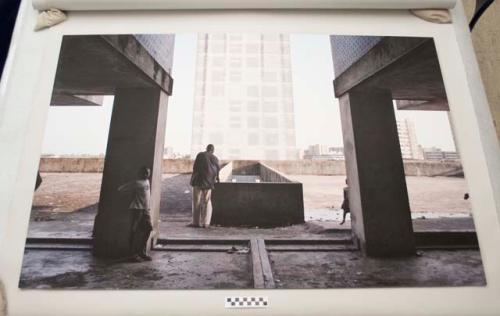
(198, 247)
(266, 265)
(258, 276)
(203, 241)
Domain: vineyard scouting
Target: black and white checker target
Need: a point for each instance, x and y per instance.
(246, 302)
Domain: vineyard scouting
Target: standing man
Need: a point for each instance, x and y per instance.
(345, 204)
(139, 206)
(205, 175)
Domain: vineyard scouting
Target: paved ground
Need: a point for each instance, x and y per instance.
(75, 269)
(350, 270)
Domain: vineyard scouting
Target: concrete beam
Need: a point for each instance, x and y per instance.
(98, 65)
(77, 100)
(413, 105)
(407, 66)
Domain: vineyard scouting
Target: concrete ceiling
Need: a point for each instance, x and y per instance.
(409, 67)
(97, 65)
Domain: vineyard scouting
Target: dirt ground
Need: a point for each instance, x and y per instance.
(66, 203)
(67, 192)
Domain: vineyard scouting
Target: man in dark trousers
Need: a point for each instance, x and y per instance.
(345, 203)
(205, 175)
(139, 206)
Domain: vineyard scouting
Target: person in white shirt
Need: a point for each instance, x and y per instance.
(140, 206)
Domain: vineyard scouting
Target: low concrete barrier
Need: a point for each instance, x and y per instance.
(275, 201)
(297, 167)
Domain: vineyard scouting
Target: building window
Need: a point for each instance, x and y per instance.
(270, 37)
(234, 106)
(269, 91)
(252, 48)
(235, 76)
(252, 62)
(236, 48)
(253, 139)
(217, 48)
(218, 75)
(218, 61)
(235, 37)
(217, 37)
(272, 139)
(253, 91)
(252, 106)
(271, 61)
(272, 48)
(252, 75)
(270, 76)
(217, 90)
(253, 122)
(270, 106)
(235, 62)
(216, 138)
(270, 122)
(235, 122)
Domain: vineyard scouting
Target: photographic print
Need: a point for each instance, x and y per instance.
(240, 161)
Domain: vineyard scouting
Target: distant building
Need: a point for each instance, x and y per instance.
(437, 154)
(323, 152)
(243, 97)
(410, 148)
(168, 152)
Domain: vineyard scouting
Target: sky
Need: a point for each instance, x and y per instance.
(73, 130)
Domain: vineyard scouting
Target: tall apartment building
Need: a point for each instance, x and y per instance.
(410, 148)
(243, 97)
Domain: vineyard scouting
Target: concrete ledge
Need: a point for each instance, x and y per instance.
(295, 167)
(276, 203)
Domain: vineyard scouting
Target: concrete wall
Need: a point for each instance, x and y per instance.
(268, 174)
(303, 167)
(276, 201)
(257, 204)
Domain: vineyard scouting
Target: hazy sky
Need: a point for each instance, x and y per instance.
(84, 130)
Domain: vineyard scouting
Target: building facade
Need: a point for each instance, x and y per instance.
(410, 149)
(243, 101)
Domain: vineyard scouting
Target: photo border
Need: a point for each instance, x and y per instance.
(25, 96)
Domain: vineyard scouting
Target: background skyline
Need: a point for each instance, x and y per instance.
(74, 130)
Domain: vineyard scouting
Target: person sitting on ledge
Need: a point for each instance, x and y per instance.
(141, 222)
(205, 174)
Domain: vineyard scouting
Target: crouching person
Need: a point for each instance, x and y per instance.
(141, 223)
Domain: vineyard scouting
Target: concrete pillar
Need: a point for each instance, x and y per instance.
(136, 139)
(380, 211)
